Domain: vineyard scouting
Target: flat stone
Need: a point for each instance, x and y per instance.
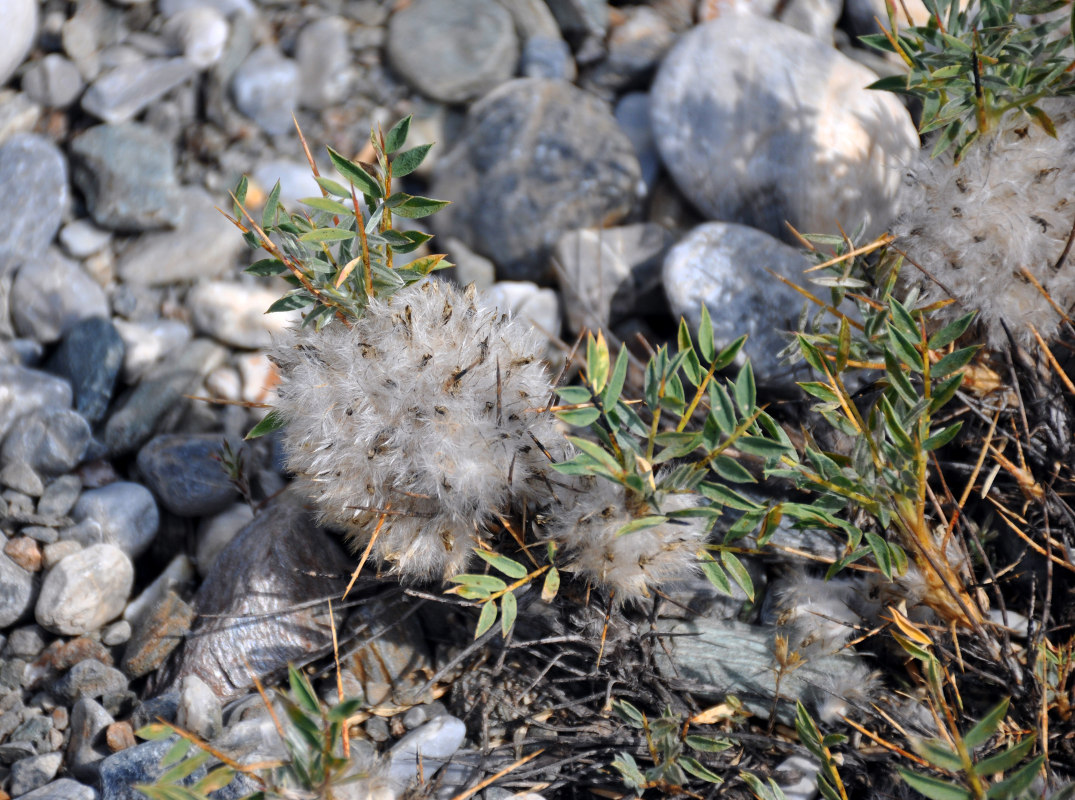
(16, 591)
(173, 578)
(87, 748)
(25, 552)
(633, 115)
(18, 114)
(89, 678)
(266, 88)
(63, 789)
(199, 709)
(581, 17)
(24, 390)
(34, 172)
(203, 245)
(120, 772)
(90, 358)
(787, 132)
(126, 90)
(234, 313)
(50, 294)
(547, 57)
(56, 552)
(324, 58)
(125, 515)
(536, 158)
(394, 661)
(53, 81)
(185, 473)
(34, 772)
(21, 477)
(81, 238)
(51, 440)
(468, 47)
(157, 634)
(146, 343)
(20, 30)
(59, 496)
(85, 590)
(526, 300)
(635, 46)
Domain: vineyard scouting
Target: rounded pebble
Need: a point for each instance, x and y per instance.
(20, 28)
(50, 440)
(185, 473)
(33, 172)
(199, 33)
(125, 513)
(85, 590)
(16, 591)
(266, 89)
(53, 81)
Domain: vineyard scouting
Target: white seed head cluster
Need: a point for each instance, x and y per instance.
(424, 413)
(630, 564)
(818, 617)
(1008, 205)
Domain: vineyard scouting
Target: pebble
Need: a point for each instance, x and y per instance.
(633, 115)
(199, 34)
(608, 274)
(89, 678)
(203, 245)
(84, 752)
(296, 180)
(116, 634)
(174, 577)
(185, 473)
(52, 81)
(541, 307)
(468, 47)
(25, 552)
(785, 132)
(547, 57)
(20, 30)
(18, 114)
(126, 90)
(585, 17)
(90, 357)
(215, 532)
(234, 313)
(25, 642)
(24, 390)
(470, 267)
(324, 57)
(536, 158)
(41, 534)
(56, 552)
(146, 343)
(124, 513)
(433, 743)
(720, 264)
(797, 776)
(266, 88)
(229, 8)
(635, 46)
(395, 655)
(63, 789)
(59, 496)
(33, 772)
(82, 239)
(199, 709)
(50, 294)
(85, 590)
(127, 175)
(157, 634)
(16, 591)
(34, 173)
(259, 377)
(21, 477)
(51, 440)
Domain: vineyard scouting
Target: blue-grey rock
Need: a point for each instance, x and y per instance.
(33, 772)
(51, 440)
(633, 115)
(324, 58)
(781, 133)
(90, 358)
(63, 789)
(85, 590)
(20, 29)
(581, 17)
(266, 88)
(89, 678)
(34, 730)
(50, 294)
(24, 390)
(120, 94)
(52, 81)
(21, 477)
(434, 743)
(635, 46)
(722, 265)
(146, 343)
(127, 175)
(59, 496)
(547, 57)
(467, 46)
(125, 515)
(536, 158)
(185, 473)
(86, 747)
(33, 172)
(25, 642)
(120, 771)
(16, 591)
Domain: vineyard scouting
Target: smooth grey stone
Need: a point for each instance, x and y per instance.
(16, 591)
(52, 81)
(125, 513)
(12, 751)
(229, 8)
(81, 238)
(63, 789)
(163, 706)
(203, 245)
(199, 34)
(547, 57)
(33, 773)
(800, 140)
(215, 532)
(21, 477)
(127, 175)
(85, 590)
(536, 158)
(51, 440)
(635, 46)
(377, 729)
(266, 89)
(126, 90)
(199, 709)
(24, 390)
(720, 264)
(185, 473)
(25, 642)
(467, 46)
(116, 634)
(434, 743)
(158, 393)
(324, 58)
(34, 173)
(90, 358)
(41, 533)
(59, 496)
(580, 17)
(120, 771)
(20, 30)
(50, 294)
(633, 115)
(86, 747)
(18, 114)
(34, 729)
(146, 343)
(470, 267)
(89, 678)
(609, 274)
(532, 18)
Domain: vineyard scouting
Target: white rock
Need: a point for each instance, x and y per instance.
(85, 590)
(199, 709)
(234, 313)
(82, 238)
(16, 35)
(146, 343)
(215, 532)
(528, 301)
(433, 743)
(126, 90)
(199, 34)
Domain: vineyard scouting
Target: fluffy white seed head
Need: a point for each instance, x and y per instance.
(630, 564)
(816, 615)
(837, 693)
(425, 412)
(1008, 205)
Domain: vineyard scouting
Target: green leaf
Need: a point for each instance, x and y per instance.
(1005, 760)
(412, 241)
(414, 206)
(510, 567)
(597, 362)
(1015, 785)
(598, 453)
(721, 408)
(327, 235)
(397, 136)
(628, 713)
(879, 548)
(291, 302)
(574, 395)
(757, 446)
(428, 264)
(509, 609)
(728, 354)
(217, 779)
(706, 744)
(950, 332)
(745, 393)
(241, 189)
(953, 361)
(738, 572)
(484, 583)
(731, 470)
(937, 754)
(698, 770)
(362, 180)
(706, 346)
(580, 417)
(944, 391)
(184, 768)
(485, 619)
(176, 752)
(715, 575)
(934, 788)
(551, 585)
(822, 391)
(984, 729)
(942, 437)
(334, 188)
(266, 267)
(328, 205)
(302, 691)
(641, 524)
(154, 731)
(409, 160)
(612, 391)
(268, 214)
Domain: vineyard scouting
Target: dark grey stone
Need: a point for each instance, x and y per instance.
(90, 358)
(536, 158)
(24, 390)
(125, 513)
(35, 731)
(33, 172)
(547, 57)
(25, 642)
(51, 440)
(635, 47)
(16, 591)
(86, 748)
(51, 294)
(59, 496)
(633, 114)
(185, 473)
(89, 678)
(127, 175)
(33, 772)
(266, 88)
(580, 17)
